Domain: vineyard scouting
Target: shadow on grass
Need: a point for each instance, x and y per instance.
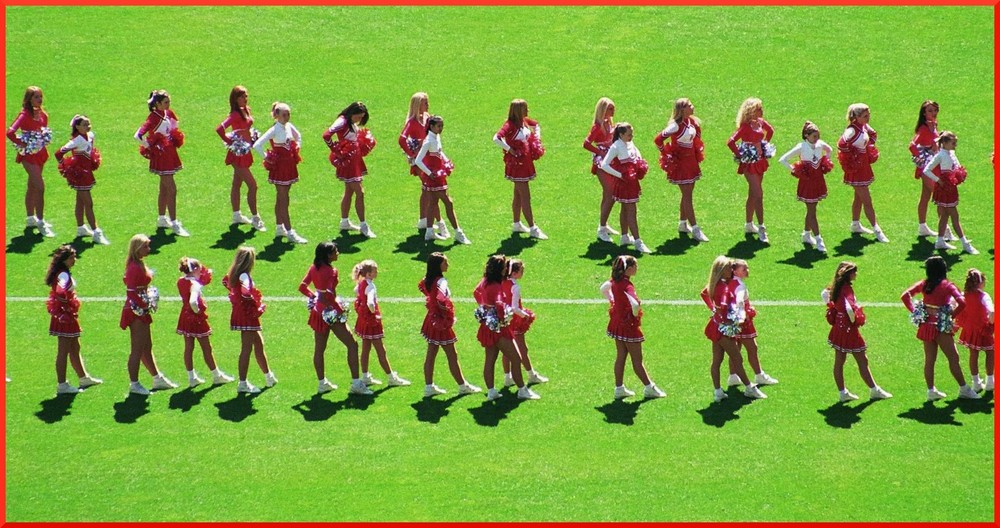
(746, 249)
(514, 244)
(161, 237)
(676, 246)
(239, 408)
(718, 414)
(843, 416)
(273, 251)
(930, 414)
(421, 249)
(804, 258)
(26, 242)
(432, 410)
(131, 409)
(854, 245)
(81, 245)
(318, 409)
(233, 238)
(347, 241)
(55, 408)
(605, 252)
(921, 249)
(491, 413)
(187, 399)
(621, 412)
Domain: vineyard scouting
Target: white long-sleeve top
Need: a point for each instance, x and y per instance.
(281, 134)
(370, 293)
(621, 150)
(80, 144)
(686, 138)
(68, 283)
(856, 140)
(167, 124)
(515, 298)
(442, 285)
(195, 293)
(431, 145)
(945, 159)
(606, 292)
(742, 294)
(522, 134)
(808, 152)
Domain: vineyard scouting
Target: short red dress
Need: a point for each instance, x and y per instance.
(28, 122)
(856, 153)
(137, 277)
(369, 323)
(720, 301)
(79, 167)
(977, 330)
(757, 136)
(348, 150)
(241, 125)
(680, 159)
(189, 323)
(164, 139)
(922, 147)
(747, 329)
(626, 159)
(489, 295)
(247, 304)
(623, 325)
(597, 143)
(410, 140)
(525, 148)
(64, 307)
(520, 324)
(282, 163)
(438, 324)
(845, 336)
(325, 280)
(942, 295)
(432, 157)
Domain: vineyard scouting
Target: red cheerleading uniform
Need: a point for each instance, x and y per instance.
(137, 277)
(438, 327)
(282, 163)
(719, 302)
(78, 169)
(164, 139)
(942, 295)
(520, 324)
(241, 127)
(747, 329)
(812, 179)
(856, 152)
(349, 150)
(748, 134)
(247, 305)
(681, 157)
(845, 336)
(519, 161)
(369, 323)
(923, 145)
(490, 294)
(325, 280)
(598, 141)
(189, 323)
(622, 324)
(29, 123)
(64, 307)
(977, 330)
(410, 139)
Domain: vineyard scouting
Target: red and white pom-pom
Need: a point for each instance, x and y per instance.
(847, 160)
(269, 161)
(958, 175)
(667, 160)
(641, 168)
(535, 147)
(799, 169)
(95, 158)
(366, 141)
(342, 153)
(699, 149)
(872, 152)
(177, 137)
(825, 165)
(446, 168)
(66, 165)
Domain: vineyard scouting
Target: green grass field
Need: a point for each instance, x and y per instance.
(575, 455)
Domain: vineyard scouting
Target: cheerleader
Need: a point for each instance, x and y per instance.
(723, 326)
(369, 324)
(281, 163)
(947, 174)
(934, 317)
(625, 328)
(754, 133)
(856, 152)
(78, 169)
(747, 335)
(438, 327)
(238, 154)
(977, 327)
(160, 148)
(519, 324)
(597, 143)
(680, 159)
(247, 307)
(192, 323)
(435, 168)
(328, 314)
(520, 137)
(141, 300)
(32, 154)
(846, 317)
(412, 136)
(923, 147)
(624, 162)
(347, 155)
(495, 332)
(64, 308)
(814, 162)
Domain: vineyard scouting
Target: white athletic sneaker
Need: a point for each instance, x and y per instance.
(934, 394)
(221, 378)
(603, 235)
(525, 393)
(508, 380)
(31, 221)
(807, 238)
(947, 233)
(762, 234)
(967, 247)
(270, 379)
(719, 395)
(366, 230)
(257, 223)
(749, 228)
(137, 388)
(461, 238)
(347, 225)
(536, 232)
(611, 230)
(754, 392)
(468, 388)
(989, 384)
(880, 236)
(89, 381)
(422, 223)
(84, 231)
(820, 246)
(493, 394)
(967, 393)
(239, 218)
(99, 238)
(66, 388)
(294, 237)
(847, 396)
(45, 229)
(195, 380)
(626, 240)
(535, 377)
(442, 229)
(652, 391)
(161, 382)
(518, 227)
(430, 234)
(683, 227)
(641, 247)
(178, 229)
(623, 392)
(878, 393)
(396, 381)
(247, 388)
(698, 235)
(368, 379)
(325, 386)
(856, 227)
(280, 231)
(359, 387)
(764, 379)
(940, 243)
(433, 390)
(923, 230)
(162, 221)
(733, 380)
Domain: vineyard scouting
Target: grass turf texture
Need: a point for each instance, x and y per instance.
(287, 455)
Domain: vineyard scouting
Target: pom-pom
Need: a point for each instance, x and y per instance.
(205, 276)
(699, 149)
(945, 320)
(872, 152)
(413, 145)
(641, 168)
(177, 137)
(150, 297)
(535, 147)
(342, 153)
(34, 141)
(747, 153)
(923, 158)
(825, 165)
(958, 175)
(487, 315)
(366, 141)
(768, 149)
(238, 145)
(919, 314)
(446, 168)
(331, 316)
(730, 327)
(269, 161)
(95, 158)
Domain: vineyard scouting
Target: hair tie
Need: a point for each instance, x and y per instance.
(152, 96)
(621, 258)
(510, 267)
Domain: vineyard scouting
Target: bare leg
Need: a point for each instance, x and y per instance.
(34, 198)
(523, 193)
(635, 352)
(344, 335)
(319, 351)
(206, 353)
(926, 190)
(838, 369)
(453, 365)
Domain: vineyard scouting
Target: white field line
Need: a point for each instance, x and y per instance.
(469, 300)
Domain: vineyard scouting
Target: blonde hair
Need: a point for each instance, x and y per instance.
(721, 266)
(278, 107)
(739, 263)
(416, 101)
(855, 110)
(133, 248)
(518, 111)
(242, 263)
(188, 264)
(676, 114)
(363, 268)
(747, 109)
(602, 109)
